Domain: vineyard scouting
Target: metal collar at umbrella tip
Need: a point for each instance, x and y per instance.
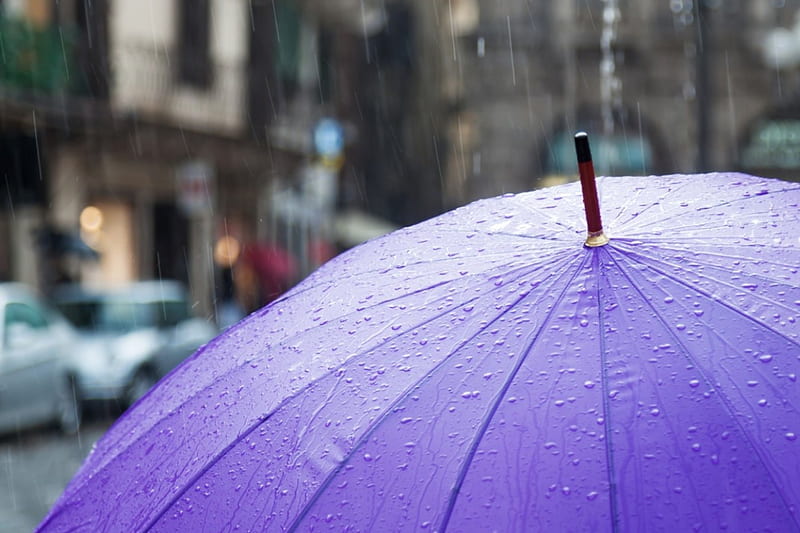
(595, 236)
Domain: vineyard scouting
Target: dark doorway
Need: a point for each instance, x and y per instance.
(170, 242)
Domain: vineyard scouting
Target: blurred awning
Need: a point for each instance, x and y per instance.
(365, 17)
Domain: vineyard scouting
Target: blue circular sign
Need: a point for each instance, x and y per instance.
(329, 138)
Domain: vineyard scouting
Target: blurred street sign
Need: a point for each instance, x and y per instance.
(194, 180)
(329, 138)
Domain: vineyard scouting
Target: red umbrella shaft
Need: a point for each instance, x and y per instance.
(590, 202)
(589, 188)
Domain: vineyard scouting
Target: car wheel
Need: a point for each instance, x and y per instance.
(70, 407)
(142, 381)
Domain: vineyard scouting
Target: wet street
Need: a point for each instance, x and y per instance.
(35, 466)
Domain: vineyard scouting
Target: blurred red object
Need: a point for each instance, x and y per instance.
(321, 251)
(274, 270)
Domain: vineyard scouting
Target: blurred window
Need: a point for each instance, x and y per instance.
(19, 313)
(82, 315)
(287, 46)
(194, 34)
(170, 313)
(301, 53)
(118, 315)
(785, 12)
(24, 315)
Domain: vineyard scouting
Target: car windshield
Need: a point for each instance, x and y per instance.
(120, 316)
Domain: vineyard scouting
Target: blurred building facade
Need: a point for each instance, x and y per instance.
(170, 135)
(160, 138)
(686, 83)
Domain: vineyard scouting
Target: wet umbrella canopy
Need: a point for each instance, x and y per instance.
(486, 371)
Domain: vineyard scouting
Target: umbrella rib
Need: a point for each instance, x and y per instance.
(694, 249)
(361, 273)
(706, 208)
(387, 412)
(655, 202)
(738, 240)
(676, 230)
(286, 400)
(215, 341)
(766, 279)
(709, 295)
(539, 212)
(490, 233)
(611, 470)
(525, 269)
(464, 467)
(723, 398)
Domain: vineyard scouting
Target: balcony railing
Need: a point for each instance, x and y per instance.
(146, 83)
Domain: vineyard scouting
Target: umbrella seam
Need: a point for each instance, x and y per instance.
(703, 208)
(293, 293)
(240, 325)
(701, 225)
(499, 397)
(285, 401)
(490, 233)
(723, 398)
(728, 343)
(716, 299)
(774, 281)
(539, 212)
(611, 469)
(388, 412)
(656, 202)
(695, 251)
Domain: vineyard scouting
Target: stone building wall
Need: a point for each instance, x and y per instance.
(529, 69)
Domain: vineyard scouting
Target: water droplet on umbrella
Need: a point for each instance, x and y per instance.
(680, 327)
(584, 322)
(592, 495)
(762, 402)
(589, 384)
(367, 457)
(669, 300)
(655, 411)
(694, 383)
(698, 312)
(752, 383)
(765, 358)
(790, 436)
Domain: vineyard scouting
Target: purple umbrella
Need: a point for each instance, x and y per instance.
(486, 371)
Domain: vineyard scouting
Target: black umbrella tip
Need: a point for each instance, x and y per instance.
(582, 147)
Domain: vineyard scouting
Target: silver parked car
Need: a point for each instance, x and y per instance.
(134, 335)
(37, 385)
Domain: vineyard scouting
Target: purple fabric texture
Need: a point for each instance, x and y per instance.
(484, 371)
